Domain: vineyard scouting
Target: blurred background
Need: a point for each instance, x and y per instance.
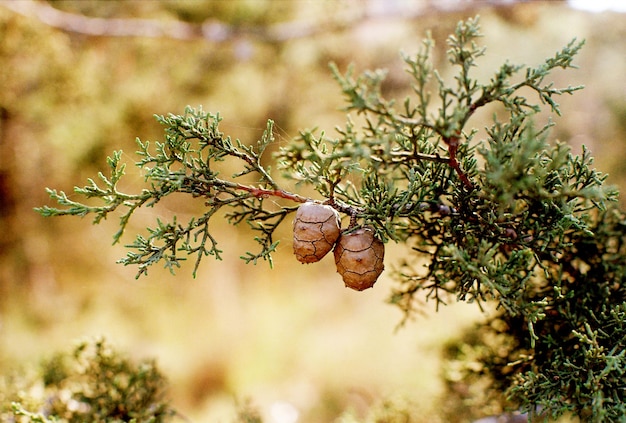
(79, 79)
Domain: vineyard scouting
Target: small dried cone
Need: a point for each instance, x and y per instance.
(359, 258)
(315, 231)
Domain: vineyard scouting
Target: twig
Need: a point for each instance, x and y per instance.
(264, 193)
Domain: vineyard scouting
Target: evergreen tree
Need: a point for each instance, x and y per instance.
(510, 220)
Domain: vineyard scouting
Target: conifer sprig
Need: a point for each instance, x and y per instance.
(513, 222)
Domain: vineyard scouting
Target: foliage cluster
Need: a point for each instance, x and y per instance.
(512, 221)
(94, 383)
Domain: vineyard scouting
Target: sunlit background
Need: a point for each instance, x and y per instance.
(292, 341)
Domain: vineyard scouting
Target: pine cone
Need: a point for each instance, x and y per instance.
(315, 231)
(359, 258)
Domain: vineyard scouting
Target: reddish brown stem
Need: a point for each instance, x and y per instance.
(453, 146)
(265, 193)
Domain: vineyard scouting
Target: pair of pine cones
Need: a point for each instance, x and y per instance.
(358, 254)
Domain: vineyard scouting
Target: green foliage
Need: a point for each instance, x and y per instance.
(512, 221)
(247, 413)
(187, 162)
(92, 383)
(387, 411)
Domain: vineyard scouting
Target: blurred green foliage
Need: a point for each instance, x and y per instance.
(93, 383)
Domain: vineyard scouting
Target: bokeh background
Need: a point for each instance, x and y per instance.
(291, 340)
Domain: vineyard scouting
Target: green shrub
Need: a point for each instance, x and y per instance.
(92, 383)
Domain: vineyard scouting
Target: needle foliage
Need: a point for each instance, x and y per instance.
(505, 218)
(92, 383)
